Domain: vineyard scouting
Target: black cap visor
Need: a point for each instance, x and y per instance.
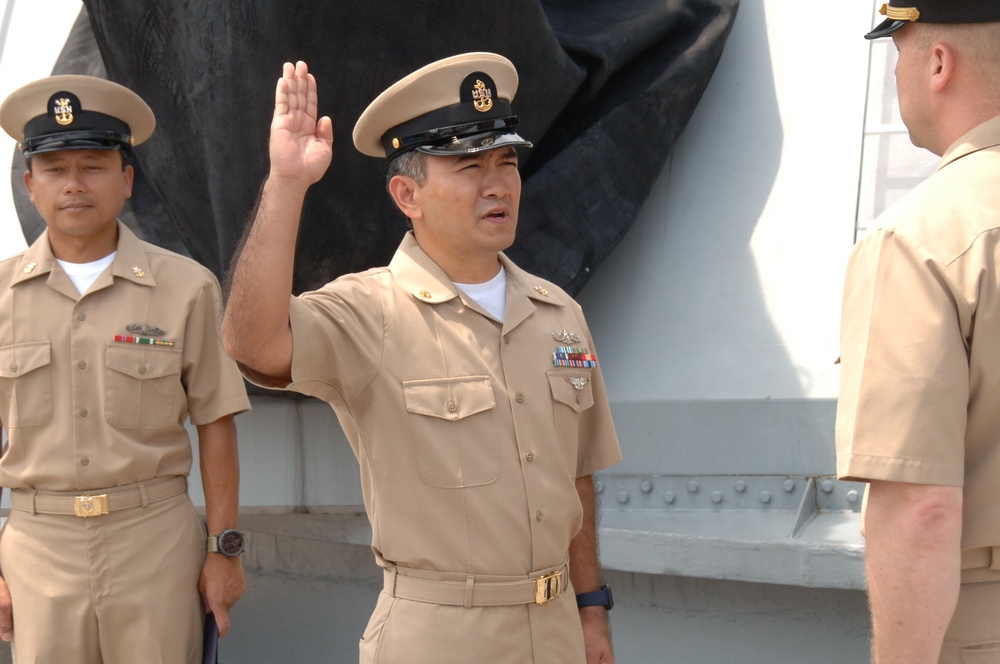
(463, 145)
(886, 28)
(75, 140)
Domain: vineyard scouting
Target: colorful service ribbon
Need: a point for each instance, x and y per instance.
(568, 356)
(148, 341)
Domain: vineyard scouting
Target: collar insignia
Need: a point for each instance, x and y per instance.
(542, 291)
(29, 268)
(137, 271)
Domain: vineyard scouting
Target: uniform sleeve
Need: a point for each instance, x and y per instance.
(599, 446)
(211, 379)
(901, 413)
(337, 339)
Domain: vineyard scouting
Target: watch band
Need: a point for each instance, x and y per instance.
(600, 597)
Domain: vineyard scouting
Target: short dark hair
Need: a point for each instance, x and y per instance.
(412, 164)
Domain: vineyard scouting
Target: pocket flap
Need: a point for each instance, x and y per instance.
(572, 389)
(20, 359)
(143, 363)
(449, 398)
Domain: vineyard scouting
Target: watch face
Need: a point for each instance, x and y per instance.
(231, 542)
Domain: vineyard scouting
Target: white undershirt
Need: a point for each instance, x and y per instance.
(490, 295)
(84, 275)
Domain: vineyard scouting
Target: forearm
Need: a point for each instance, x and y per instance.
(220, 473)
(255, 326)
(585, 570)
(913, 564)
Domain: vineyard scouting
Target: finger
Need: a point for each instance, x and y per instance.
(6, 613)
(281, 90)
(312, 98)
(299, 100)
(324, 129)
(222, 620)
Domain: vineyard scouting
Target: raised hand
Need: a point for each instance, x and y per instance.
(301, 144)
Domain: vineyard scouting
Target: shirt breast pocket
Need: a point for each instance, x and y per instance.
(26, 383)
(452, 430)
(142, 386)
(572, 395)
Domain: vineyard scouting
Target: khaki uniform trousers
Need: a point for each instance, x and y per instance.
(973, 637)
(119, 588)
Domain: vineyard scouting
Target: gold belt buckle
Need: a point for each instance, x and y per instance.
(548, 587)
(91, 505)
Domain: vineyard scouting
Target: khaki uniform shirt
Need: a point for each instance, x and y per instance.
(920, 339)
(83, 411)
(468, 437)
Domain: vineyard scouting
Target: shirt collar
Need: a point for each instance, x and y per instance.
(981, 137)
(418, 274)
(131, 261)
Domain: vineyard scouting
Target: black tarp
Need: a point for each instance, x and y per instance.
(606, 88)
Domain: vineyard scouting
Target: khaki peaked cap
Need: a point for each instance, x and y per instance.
(73, 112)
(458, 105)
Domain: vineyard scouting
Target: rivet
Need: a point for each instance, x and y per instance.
(623, 496)
(693, 486)
(852, 496)
(645, 486)
(788, 485)
(826, 486)
(765, 496)
(669, 497)
(740, 486)
(716, 497)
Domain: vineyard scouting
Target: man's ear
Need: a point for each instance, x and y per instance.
(27, 185)
(941, 66)
(404, 192)
(129, 175)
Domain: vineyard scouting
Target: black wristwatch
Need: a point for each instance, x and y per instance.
(229, 543)
(601, 597)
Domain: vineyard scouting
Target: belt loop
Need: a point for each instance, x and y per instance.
(995, 562)
(143, 494)
(391, 586)
(32, 495)
(469, 583)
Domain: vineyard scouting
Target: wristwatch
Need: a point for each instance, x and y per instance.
(229, 543)
(600, 597)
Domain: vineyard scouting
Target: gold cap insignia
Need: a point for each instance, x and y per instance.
(482, 98)
(63, 111)
(899, 13)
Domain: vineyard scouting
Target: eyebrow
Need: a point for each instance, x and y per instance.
(504, 153)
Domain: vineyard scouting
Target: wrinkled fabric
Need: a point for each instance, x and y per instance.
(606, 89)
